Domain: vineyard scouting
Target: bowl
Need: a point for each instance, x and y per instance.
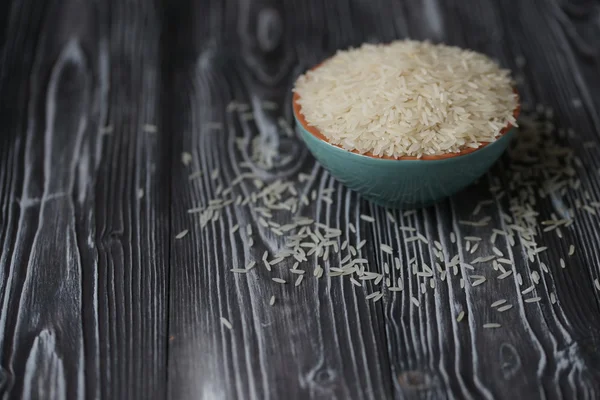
(406, 182)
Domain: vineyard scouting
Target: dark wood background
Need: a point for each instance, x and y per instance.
(98, 300)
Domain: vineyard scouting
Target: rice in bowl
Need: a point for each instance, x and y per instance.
(408, 98)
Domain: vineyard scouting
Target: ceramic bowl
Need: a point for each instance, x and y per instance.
(406, 182)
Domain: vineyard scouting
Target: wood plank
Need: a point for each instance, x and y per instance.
(530, 351)
(321, 339)
(84, 267)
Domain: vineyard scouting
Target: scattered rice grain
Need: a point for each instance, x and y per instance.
(367, 218)
(498, 303)
(505, 308)
(226, 323)
(181, 234)
(491, 325)
(533, 300)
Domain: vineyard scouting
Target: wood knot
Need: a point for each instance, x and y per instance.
(322, 378)
(269, 29)
(325, 376)
(510, 362)
(5, 379)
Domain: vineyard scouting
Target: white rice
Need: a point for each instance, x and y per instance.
(414, 301)
(318, 271)
(422, 238)
(505, 308)
(372, 295)
(467, 266)
(478, 280)
(505, 274)
(491, 325)
(267, 265)
(367, 218)
(297, 271)
(482, 259)
(303, 234)
(355, 282)
(150, 128)
(239, 270)
(528, 290)
(186, 158)
(181, 234)
(390, 217)
(533, 300)
(226, 323)
(498, 303)
(386, 249)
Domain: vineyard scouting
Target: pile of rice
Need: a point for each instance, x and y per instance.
(408, 98)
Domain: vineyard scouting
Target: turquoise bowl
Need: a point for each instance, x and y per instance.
(403, 183)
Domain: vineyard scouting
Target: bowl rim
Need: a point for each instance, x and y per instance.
(316, 133)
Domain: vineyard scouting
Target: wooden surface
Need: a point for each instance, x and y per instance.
(99, 300)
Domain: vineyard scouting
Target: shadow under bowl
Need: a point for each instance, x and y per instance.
(403, 183)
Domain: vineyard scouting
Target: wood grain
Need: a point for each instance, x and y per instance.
(267, 350)
(83, 270)
(100, 300)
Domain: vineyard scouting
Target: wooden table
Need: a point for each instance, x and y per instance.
(99, 299)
